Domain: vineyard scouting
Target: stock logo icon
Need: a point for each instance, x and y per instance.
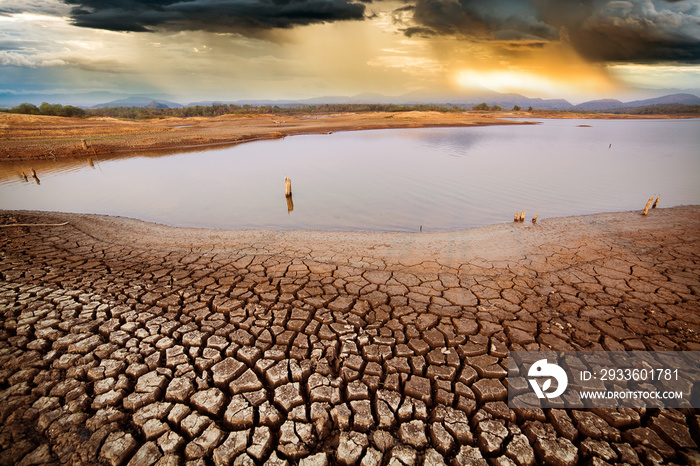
(542, 369)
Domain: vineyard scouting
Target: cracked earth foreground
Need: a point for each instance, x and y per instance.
(123, 342)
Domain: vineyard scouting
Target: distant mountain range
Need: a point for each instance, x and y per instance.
(466, 99)
(83, 99)
(610, 104)
(136, 101)
(507, 101)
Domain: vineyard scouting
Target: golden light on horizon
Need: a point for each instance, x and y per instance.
(532, 84)
(507, 81)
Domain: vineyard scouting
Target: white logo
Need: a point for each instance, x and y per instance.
(543, 369)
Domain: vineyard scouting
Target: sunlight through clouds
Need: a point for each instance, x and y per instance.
(512, 81)
(668, 76)
(233, 50)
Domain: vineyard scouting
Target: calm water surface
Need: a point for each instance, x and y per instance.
(387, 180)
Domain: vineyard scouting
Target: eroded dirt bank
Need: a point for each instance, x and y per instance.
(27, 136)
(126, 341)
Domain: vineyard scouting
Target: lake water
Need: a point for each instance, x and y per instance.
(384, 180)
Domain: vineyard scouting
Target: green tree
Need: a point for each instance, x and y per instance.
(71, 111)
(529, 109)
(47, 109)
(516, 108)
(496, 108)
(26, 108)
(481, 106)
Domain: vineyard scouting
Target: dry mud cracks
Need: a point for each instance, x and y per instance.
(123, 342)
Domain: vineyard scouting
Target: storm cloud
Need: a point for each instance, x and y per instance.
(210, 15)
(496, 19)
(640, 31)
(601, 31)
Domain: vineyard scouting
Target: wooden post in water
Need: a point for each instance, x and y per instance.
(36, 178)
(288, 194)
(517, 217)
(656, 202)
(522, 216)
(534, 219)
(84, 144)
(646, 207)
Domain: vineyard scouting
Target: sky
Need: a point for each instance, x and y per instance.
(225, 50)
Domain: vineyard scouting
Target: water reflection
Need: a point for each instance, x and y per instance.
(36, 178)
(24, 178)
(19, 171)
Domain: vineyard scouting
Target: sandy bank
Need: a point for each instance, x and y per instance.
(555, 242)
(28, 136)
(36, 137)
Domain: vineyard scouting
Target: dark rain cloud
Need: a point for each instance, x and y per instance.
(640, 31)
(210, 15)
(495, 19)
(418, 31)
(601, 30)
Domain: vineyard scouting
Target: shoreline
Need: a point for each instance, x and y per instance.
(507, 241)
(28, 137)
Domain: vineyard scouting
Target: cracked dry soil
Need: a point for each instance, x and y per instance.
(123, 342)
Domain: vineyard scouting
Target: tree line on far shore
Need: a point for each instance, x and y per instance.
(658, 109)
(218, 109)
(48, 109)
(495, 108)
